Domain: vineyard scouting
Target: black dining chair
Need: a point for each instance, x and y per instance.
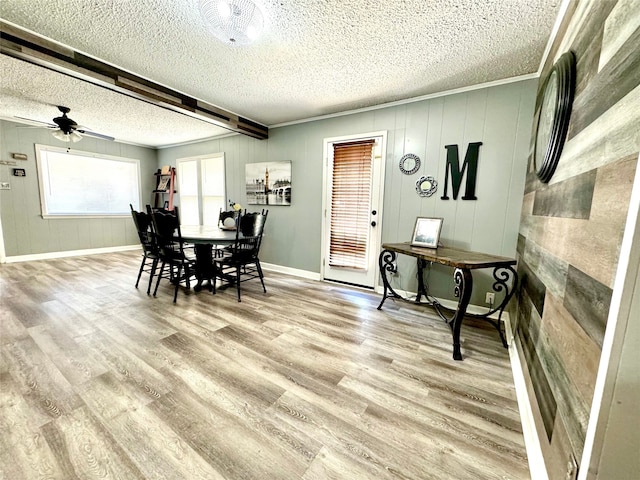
(171, 249)
(240, 261)
(144, 226)
(227, 220)
(229, 214)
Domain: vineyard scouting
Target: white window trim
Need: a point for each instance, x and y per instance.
(199, 169)
(43, 208)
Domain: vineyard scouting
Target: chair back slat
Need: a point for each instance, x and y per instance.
(241, 262)
(169, 236)
(249, 235)
(144, 227)
(146, 235)
(252, 224)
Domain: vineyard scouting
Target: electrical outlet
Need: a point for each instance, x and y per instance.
(490, 298)
(394, 268)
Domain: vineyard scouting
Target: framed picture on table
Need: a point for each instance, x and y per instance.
(426, 232)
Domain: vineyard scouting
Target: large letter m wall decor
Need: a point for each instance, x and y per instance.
(470, 165)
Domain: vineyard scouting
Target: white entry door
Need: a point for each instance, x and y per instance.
(354, 183)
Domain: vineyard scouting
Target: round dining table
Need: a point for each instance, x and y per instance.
(203, 238)
(207, 235)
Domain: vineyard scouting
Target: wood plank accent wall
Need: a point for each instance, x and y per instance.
(571, 229)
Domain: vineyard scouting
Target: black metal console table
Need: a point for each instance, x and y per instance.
(463, 261)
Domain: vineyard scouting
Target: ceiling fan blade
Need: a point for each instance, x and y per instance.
(97, 135)
(65, 125)
(40, 123)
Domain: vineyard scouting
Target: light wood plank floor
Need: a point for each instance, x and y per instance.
(310, 381)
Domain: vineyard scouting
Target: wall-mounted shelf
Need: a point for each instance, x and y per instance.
(165, 189)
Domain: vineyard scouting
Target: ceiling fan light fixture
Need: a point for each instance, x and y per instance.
(67, 137)
(60, 135)
(224, 9)
(233, 22)
(75, 137)
(252, 32)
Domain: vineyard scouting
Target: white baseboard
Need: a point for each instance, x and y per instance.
(291, 271)
(452, 305)
(92, 251)
(531, 440)
(69, 253)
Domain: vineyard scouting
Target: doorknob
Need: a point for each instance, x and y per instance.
(373, 224)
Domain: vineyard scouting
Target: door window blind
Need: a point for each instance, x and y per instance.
(350, 204)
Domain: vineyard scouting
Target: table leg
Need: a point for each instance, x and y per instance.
(205, 268)
(464, 284)
(422, 289)
(385, 262)
(502, 275)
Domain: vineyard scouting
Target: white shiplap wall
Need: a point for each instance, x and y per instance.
(499, 116)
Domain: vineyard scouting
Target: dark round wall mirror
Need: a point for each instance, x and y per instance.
(554, 114)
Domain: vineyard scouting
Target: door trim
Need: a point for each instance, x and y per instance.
(380, 189)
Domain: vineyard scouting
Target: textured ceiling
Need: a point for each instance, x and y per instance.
(316, 57)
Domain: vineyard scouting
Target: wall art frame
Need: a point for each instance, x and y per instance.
(268, 183)
(426, 232)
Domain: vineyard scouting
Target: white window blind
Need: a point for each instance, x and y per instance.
(86, 184)
(350, 204)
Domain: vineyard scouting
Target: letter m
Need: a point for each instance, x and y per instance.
(470, 165)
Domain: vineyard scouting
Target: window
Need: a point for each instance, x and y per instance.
(201, 183)
(86, 184)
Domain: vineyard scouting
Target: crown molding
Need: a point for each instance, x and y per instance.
(430, 96)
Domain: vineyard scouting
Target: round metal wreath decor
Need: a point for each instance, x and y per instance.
(554, 114)
(426, 186)
(409, 164)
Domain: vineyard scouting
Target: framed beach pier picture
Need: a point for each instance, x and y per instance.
(268, 183)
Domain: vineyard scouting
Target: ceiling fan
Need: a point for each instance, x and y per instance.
(66, 129)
